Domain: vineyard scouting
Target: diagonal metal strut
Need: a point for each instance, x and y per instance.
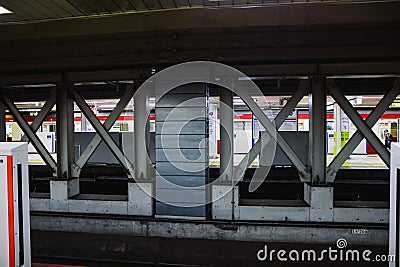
(102, 132)
(279, 120)
(41, 149)
(111, 119)
(50, 102)
(361, 125)
(357, 137)
(271, 130)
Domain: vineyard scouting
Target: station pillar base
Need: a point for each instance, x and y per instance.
(140, 201)
(320, 199)
(225, 202)
(61, 191)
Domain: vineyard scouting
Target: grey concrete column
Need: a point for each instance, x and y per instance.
(317, 194)
(64, 186)
(317, 134)
(65, 131)
(141, 133)
(182, 151)
(2, 122)
(226, 134)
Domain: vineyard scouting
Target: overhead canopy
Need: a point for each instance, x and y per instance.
(258, 34)
(25, 11)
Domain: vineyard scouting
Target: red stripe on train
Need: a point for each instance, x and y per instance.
(364, 116)
(247, 116)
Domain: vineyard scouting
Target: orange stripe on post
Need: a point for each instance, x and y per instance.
(11, 234)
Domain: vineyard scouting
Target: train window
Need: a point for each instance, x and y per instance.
(238, 125)
(242, 125)
(247, 125)
(330, 125)
(123, 127)
(152, 126)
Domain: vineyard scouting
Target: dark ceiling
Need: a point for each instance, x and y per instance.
(313, 38)
(24, 11)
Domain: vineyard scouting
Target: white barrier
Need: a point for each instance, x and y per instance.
(394, 222)
(14, 205)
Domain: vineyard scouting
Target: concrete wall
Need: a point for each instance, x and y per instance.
(296, 233)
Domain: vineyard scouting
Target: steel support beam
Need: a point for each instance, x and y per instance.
(274, 134)
(141, 131)
(253, 70)
(64, 130)
(105, 136)
(42, 114)
(226, 135)
(279, 120)
(41, 149)
(359, 122)
(3, 136)
(111, 119)
(357, 137)
(317, 133)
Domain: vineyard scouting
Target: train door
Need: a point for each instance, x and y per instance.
(398, 130)
(393, 130)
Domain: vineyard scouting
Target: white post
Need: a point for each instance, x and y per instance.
(394, 223)
(226, 134)
(15, 247)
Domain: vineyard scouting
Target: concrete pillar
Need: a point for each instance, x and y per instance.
(141, 134)
(140, 200)
(226, 134)
(65, 131)
(64, 185)
(3, 136)
(182, 152)
(317, 133)
(317, 194)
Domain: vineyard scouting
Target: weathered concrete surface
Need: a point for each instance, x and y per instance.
(260, 232)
